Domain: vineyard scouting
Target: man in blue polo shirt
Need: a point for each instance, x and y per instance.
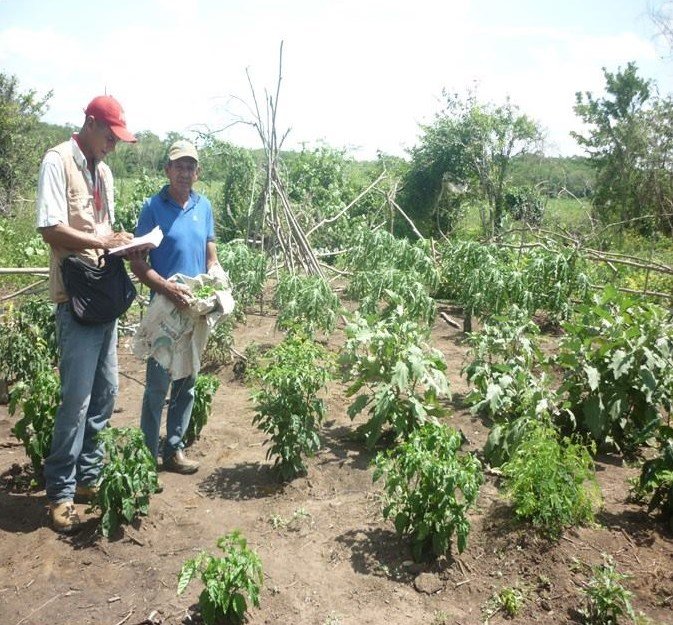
(188, 247)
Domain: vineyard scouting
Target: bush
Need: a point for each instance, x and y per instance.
(287, 407)
(429, 488)
(551, 482)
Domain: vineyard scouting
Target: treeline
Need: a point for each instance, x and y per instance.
(475, 156)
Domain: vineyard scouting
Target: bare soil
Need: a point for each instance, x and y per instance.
(329, 558)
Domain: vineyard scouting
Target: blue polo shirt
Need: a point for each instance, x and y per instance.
(186, 232)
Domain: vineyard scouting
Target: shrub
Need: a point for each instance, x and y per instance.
(287, 407)
(429, 488)
(402, 377)
(227, 580)
(618, 378)
(128, 478)
(656, 478)
(551, 482)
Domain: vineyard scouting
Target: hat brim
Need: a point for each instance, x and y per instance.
(123, 134)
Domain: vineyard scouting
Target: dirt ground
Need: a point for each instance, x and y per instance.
(328, 556)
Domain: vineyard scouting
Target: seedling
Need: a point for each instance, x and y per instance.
(227, 580)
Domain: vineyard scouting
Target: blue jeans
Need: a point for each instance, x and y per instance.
(89, 384)
(179, 412)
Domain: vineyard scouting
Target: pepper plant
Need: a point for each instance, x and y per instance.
(428, 489)
(394, 374)
(37, 400)
(227, 580)
(205, 388)
(127, 480)
(287, 407)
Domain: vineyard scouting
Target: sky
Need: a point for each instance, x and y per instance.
(358, 75)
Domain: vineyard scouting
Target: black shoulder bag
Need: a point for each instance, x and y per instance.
(97, 294)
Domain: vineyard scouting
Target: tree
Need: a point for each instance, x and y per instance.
(21, 145)
(630, 147)
(466, 155)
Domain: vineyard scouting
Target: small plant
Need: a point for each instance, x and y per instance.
(204, 390)
(606, 597)
(656, 477)
(37, 401)
(428, 489)
(227, 580)
(128, 478)
(246, 268)
(551, 482)
(508, 600)
(220, 342)
(399, 378)
(287, 406)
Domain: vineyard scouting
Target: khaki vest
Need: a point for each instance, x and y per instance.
(81, 214)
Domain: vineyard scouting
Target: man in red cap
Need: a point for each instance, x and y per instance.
(75, 213)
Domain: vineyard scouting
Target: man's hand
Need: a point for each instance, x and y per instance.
(116, 239)
(179, 294)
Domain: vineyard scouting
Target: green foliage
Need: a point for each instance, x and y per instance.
(21, 143)
(429, 488)
(606, 597)
(220, 342)
(129, 203)
(508, 600)
(227, 580)
(390, 272)
(629, 143)
(551, 482)
(307, 302)
(246, 268)
(27, 340)
(618, 373)
(487, 279)
(37, 398)
(128, 478)
(465, 156)
(204, 390)
(656, 477)
(287, 407)
(396, 376)
(235, 204)
(525, 204)
(503, 356)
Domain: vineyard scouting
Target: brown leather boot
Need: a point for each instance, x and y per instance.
(178, 463)
(84, 493)
(64, 517)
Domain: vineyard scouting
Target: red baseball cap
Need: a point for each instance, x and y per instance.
(106, 109)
